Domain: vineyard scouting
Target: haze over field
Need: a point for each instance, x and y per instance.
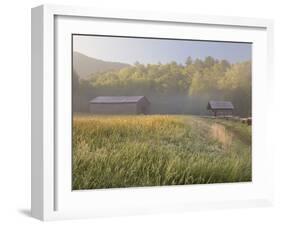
(175, 81)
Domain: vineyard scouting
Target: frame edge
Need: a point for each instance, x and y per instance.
(41, 39)
(37, 162)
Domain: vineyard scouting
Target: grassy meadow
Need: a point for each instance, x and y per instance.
(154, 150)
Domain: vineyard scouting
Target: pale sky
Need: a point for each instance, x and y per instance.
(130, 50)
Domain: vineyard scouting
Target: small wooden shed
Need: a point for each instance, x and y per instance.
(120, 105)
(220, 107)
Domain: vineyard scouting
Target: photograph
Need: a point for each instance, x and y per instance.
(150, 111)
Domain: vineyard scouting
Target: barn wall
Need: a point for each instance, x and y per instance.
(224, 112)
(129, 108)
(143, 107)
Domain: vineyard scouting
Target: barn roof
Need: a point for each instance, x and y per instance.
(220, 105)
(116, 99)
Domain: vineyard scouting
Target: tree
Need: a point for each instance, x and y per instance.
(75, 83)
(196, 81)
(188, 61)
(237, 86)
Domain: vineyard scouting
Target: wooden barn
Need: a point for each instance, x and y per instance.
(119, 105)
(220, 107)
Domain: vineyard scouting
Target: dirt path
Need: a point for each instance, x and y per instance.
(215, 130)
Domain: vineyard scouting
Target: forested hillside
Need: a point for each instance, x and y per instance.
(172, 88)
(85, 65)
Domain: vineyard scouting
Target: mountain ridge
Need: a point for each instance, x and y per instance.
(85, 66)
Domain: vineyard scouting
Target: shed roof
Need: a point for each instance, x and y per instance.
(220, 105)
(116, 99)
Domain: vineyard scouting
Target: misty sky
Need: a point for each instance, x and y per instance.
(130, 50)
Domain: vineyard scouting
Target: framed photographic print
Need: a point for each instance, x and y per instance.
(137, 113)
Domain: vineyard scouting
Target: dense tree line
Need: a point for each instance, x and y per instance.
(173, 87)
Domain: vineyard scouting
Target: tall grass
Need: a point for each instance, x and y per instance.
(126, 151)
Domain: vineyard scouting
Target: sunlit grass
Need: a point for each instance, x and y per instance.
(126, 151)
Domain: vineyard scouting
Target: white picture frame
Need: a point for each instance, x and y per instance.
(52, 197)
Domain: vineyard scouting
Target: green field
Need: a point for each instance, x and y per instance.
(154, 150)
